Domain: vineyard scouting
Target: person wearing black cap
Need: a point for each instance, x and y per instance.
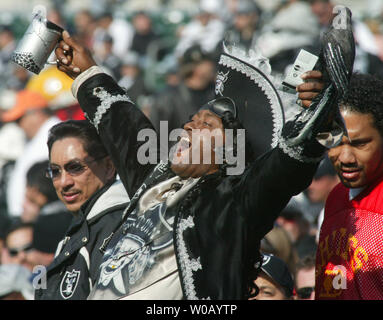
(274, 281)
(193, 228)
(48, 231)
(196, 86)
(244, 30)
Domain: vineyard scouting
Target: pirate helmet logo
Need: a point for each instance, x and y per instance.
(69, 283)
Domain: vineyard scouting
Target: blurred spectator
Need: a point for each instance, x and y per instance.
(15, 283)
(131, 77)
(175, 105)
(103, 54)
(12, 141)
(119, 29)
(311, 202)
(366, 51)
(293, 27)
(16, 77)
(279, 243)
(55, 15)
(84, 26)
(293, 221)
(206, 29)
(323, 9)
(18, 242)
(12, 76)
(40, 196)
(243, 33)
(144, 34)
(4, 225)
(56, 89)
(304, 279)
(324, 180)
(7, 46)
(274, 280)
(32, 115)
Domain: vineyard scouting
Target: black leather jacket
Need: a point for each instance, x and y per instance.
(73, 272)
(222, 219)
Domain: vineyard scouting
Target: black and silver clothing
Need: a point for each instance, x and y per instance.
(219, 222)
(216, 226)
(73, 272)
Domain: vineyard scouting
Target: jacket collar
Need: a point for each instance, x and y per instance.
(113, 196)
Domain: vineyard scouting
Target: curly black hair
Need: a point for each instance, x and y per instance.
(365, 95)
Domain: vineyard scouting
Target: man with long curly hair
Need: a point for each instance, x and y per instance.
(350, 252)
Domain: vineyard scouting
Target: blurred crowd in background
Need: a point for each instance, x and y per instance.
(166, 60)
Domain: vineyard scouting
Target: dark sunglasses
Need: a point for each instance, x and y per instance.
(13, 252)
(73, 168)
(305, 293)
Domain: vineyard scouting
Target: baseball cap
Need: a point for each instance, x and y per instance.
(49, 230)
(247, 7)
(15, 278)
(277, 270)
(25, 100)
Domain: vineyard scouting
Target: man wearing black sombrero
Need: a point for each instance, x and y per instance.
(193, 227)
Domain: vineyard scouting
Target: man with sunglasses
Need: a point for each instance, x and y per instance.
(18, 242)
(35, 118)
(85, 181)
(304, 278)
(192, 230)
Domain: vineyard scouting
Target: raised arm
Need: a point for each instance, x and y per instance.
(109, 109)
(275, 177)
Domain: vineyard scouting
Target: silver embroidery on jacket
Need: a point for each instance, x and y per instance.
(296, 152)
(188, 265)
(107, 100)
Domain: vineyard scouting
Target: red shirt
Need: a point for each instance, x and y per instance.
(349, 262)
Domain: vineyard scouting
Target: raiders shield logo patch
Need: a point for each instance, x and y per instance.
(69, 283)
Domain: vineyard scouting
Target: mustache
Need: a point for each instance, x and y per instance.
(345, 167)
(69, 189)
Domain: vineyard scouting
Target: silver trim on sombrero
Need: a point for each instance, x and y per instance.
(262, 82)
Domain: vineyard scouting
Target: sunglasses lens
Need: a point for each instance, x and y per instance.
(52, 172)
(305, 293)
(15, 251)
(74, 168)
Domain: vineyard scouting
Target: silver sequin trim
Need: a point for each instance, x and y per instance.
(107, 100)
(296, 152)
(272, 96)
(188, 266)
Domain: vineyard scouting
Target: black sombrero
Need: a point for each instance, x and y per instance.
(258, 104)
